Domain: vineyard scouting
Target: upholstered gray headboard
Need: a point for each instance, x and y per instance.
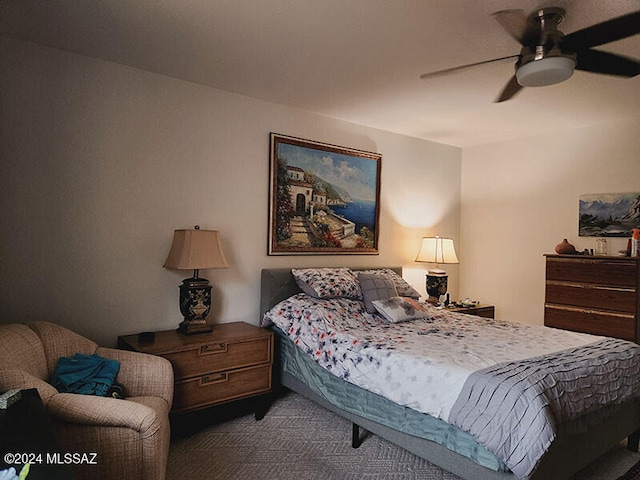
(277, 284)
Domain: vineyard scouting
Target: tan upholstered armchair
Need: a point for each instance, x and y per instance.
(131, 437)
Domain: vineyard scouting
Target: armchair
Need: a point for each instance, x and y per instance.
(131, 437)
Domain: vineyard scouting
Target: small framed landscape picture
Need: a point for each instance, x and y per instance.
(608, 214)
(324, 199)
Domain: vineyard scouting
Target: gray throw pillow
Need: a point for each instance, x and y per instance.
(375, 287)
(402, 286)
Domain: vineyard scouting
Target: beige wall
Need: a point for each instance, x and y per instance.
(520, 199)
(100, 163)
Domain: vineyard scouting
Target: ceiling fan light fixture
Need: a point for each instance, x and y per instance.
(546, 71)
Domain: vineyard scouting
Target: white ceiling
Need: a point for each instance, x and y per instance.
(356, 60)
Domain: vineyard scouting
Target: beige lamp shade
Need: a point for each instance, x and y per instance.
(195, 250)
(437, 250)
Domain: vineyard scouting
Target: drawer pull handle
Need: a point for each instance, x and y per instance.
(214, 378)
(214, 348)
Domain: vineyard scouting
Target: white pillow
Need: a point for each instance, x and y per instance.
(400, 309)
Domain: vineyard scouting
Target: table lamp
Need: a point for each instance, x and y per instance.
(195, 250)
(437, 250)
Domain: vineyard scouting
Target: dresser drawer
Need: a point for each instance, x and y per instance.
(219, 356)
(593, 296)
(596, 322)
(219, 387)
(604, 272)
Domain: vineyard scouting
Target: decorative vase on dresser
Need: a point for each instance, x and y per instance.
(597, 295)
(564, 247)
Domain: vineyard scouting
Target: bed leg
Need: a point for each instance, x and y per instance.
(355, 436)
(633, 440)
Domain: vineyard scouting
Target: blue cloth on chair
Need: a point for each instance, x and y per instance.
(85, 374)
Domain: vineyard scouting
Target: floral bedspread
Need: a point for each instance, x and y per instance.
(422, 364)
(507, 384)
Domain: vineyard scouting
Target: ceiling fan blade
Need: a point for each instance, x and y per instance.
(448, 71)
(605, 32)
(609, 63)
(518, 25)
(509, 91)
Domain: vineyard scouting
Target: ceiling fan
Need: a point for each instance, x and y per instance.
(548, 56)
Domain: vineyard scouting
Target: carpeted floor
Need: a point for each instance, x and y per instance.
(632, 474)
(301, 440)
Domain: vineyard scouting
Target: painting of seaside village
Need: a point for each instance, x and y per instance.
(609, 214)
(324, 198)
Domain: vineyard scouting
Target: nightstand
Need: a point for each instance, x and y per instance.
(486, 311)
(232, 362)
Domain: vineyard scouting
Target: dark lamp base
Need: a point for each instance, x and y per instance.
(190, 327)
(195, 304)
(437, 284)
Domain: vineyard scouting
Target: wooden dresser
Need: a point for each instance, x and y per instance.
(598, 295)
(232, 362)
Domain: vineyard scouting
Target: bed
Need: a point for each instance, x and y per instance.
(575, 444)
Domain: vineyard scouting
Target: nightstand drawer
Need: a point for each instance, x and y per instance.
(219, 356)
(219, 387)
(486, 311)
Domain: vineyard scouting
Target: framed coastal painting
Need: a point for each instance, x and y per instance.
(608, 214)
(324, 199)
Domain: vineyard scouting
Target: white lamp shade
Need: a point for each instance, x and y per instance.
(437, 250)
(195, 250)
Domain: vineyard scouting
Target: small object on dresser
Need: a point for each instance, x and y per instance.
(464, 303)
(635, 241)
(564, 247)
(9, 397)
(146, 337)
